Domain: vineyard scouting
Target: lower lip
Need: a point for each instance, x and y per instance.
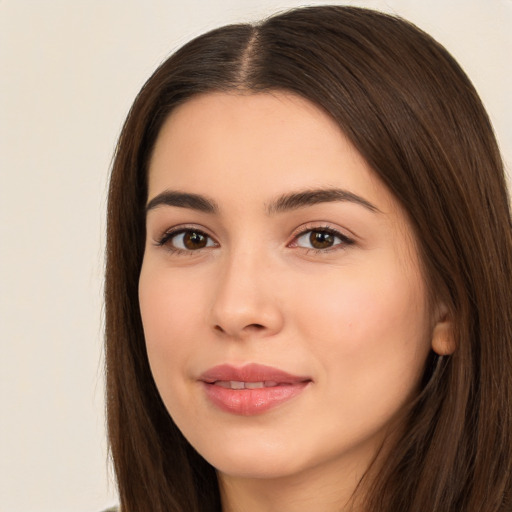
(249, 402)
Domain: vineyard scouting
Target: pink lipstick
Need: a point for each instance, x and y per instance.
(251, 389)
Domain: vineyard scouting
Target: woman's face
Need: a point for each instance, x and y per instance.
(284, 309)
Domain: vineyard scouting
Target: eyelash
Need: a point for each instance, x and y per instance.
(170, 234)
(344, 241)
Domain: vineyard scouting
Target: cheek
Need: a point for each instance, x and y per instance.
(170, 310)
(368, 325)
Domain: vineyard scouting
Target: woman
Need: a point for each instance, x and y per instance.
(308, 276)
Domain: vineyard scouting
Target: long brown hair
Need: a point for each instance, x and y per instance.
(415, 117)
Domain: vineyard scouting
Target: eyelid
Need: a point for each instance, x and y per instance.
(346, 239)
(169, 233)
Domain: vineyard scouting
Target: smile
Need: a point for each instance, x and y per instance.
(236, 384)
(252, 389)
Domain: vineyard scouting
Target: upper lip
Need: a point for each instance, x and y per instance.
(250, 373)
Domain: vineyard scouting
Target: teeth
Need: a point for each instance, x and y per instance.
(236, 384)
(254, 385)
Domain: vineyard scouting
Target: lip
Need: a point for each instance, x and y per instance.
(280, 387)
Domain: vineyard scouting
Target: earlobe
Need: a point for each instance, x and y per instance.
(443, 342)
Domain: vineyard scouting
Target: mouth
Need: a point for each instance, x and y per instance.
(237, 384)
(251, 389)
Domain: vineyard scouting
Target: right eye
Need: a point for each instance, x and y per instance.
(186, 240)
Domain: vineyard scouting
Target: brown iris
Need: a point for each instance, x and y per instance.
(194, 240)
(321, 239)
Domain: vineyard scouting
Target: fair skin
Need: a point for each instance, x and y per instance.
(327, 287)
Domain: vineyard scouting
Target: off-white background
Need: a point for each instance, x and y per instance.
(69, 70)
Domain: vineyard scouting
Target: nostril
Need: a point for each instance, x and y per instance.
(247, 328)
(254, 327)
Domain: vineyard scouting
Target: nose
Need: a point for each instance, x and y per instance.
(246, 302)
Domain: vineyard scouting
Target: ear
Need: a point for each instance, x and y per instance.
(443, 342)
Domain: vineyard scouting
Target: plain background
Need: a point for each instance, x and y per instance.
(69, 70)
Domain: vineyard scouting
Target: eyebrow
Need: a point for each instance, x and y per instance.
(183, 200)
(302, 199)
(284, 203)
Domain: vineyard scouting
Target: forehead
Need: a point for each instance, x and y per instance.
(255, 146)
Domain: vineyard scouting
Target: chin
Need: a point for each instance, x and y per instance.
(254, 460)
(258, 468)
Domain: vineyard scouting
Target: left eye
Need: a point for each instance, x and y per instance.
(321, 239)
